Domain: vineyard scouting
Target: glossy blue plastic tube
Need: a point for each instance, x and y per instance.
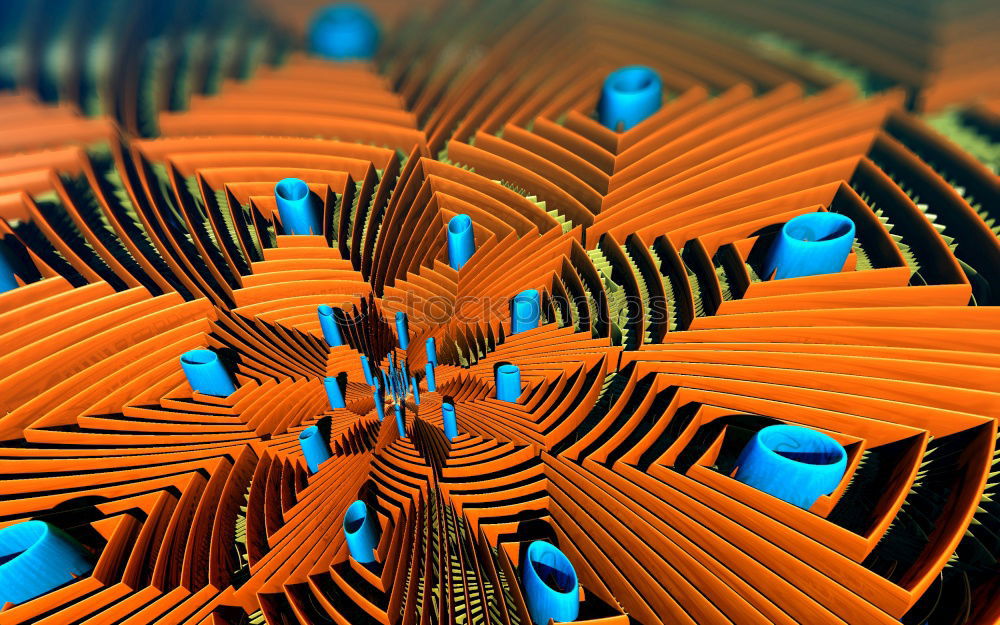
(360, 530)
(526, 311)
(461, 241)
(334, 393)
(629, 96)
(297, 208)
(431, 382)
(403, 330)
(449, 421)
(314, 448)
(416, 389)
(401, 419)
(42, 558)
(431, 349)
(328, 324)
(8, 280)
(508, 378)
(206, 374)
(367, 368)
(809, 245)
(551, 588)
(379, 403)
(344, 31)
(792, 463)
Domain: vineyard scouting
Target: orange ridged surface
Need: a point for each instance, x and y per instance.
(148, 226)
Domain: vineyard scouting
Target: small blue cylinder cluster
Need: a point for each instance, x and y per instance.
(360, 530)
(793, 463)
(314, 448)
(431, 382)
(630, 95)
(8, 279)
(328, 324)
(334, 393)
(206, 374)
(809, 245)
(551, 587)
(526, 311)
(299, 212)
(461, 241)
(37, 557)
(508, 378)
(401, 419)
(366, 367)
(449, 421)
(403, 330)
(343, 32)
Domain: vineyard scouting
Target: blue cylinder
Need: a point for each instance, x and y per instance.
(334, 393)
(449, 421)
(416, 389)
(401, 419)
(551, 588)
(344, 31)
(431, 383)
(809, 245)
(206, 374)
(379, 404)
(508, 383)
(792, 463)
(431, 350)
(360, 532)
(42, 558)
(367, 368)
(402, 330)
(526, 311)
(299, 213)
(461, 241)
(8, 279)
(630, 95)
(314, 448)
(328, 323)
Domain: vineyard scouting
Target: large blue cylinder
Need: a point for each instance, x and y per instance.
(792, 463)
(416, 389)
(449, 421)
(314, 448)
(526, 311)
(401, 419)
(508, 379)
(461, 241)
(299, 213)
(629, 96)
(431, 350)
(809, 245)
(403, 330)
(367, 368)
(431, 382)
(42, 558)
(361, 532)
(206, 374)
(334, 393)
(379, 403)
(8, 280)
(551, 588)
(344, 31)
(328, 324)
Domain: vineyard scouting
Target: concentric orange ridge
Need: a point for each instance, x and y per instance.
(137, 195)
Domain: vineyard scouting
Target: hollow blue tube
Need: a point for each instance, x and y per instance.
(379, 404)
(792, 463)
(431, 383)
(8, 280)
(367, 368)
(402, 330)
(526, 311)
(360, 532)
(206, 374)
(461, 241)
(551, 587)
(431, 349)
(401, 420)
(334, 393)
(328, 324)
(314, 448)
(42, 558)
(629, 95)
(344, 31)
(416, 389)
(299, 213)
(809, 245)
(449, 421)
(508, 378)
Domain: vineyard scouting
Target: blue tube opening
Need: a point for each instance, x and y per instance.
(314, 448)
(526, 311)
(296, 207)
(508, 380)
(328, 324)
(809, 245)
(550, 583)
(37, 557)
(206, 374)
(629, 96)
(359, 530)
(461, 241)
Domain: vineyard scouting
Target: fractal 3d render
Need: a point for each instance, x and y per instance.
(500, 312)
